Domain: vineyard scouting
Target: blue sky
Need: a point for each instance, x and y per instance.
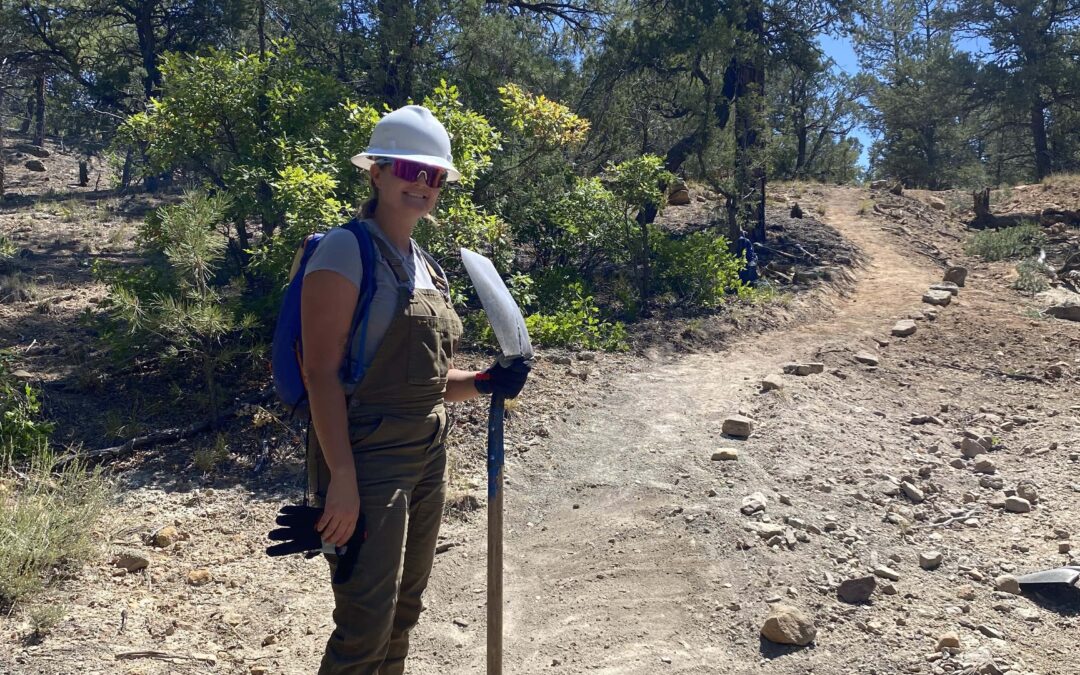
(840, 50)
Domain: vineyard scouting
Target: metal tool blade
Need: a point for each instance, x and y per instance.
(502, 311)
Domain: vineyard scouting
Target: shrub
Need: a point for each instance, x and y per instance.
(21, 431)
(699, 268)
(1009, 242)
(1033, 277)
(176, 303)
(578, 325)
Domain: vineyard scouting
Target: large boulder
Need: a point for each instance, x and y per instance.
(787, 625)
(679, 197)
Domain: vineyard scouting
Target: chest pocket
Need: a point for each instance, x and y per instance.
(432, 340)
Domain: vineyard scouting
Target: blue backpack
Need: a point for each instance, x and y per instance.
(287, 351)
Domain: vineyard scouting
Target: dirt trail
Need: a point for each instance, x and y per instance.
(597, 580)
(626, 551)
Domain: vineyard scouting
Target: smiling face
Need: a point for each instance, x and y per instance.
(414, 199)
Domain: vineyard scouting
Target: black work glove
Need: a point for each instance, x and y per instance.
(505, 380)
(298, 535)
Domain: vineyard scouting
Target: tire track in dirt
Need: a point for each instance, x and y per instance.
(598, 578)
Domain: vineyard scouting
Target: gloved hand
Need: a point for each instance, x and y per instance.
(505, 380)
(298, 534)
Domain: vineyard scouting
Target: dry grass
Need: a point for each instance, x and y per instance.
(46, 525)
(208, 459)
(1062, 180)
(17, 287)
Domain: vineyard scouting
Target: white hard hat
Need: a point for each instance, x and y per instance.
(413, 133)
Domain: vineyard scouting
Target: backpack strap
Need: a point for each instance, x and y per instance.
(353, 367)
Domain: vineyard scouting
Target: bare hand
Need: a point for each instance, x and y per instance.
(340, 512)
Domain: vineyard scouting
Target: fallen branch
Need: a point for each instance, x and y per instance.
(949, 521)
(165, 656)
(163, 436)
(1024, 377)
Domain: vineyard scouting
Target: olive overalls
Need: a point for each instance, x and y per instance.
(397, 428)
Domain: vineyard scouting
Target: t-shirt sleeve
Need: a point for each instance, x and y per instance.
(338, 252)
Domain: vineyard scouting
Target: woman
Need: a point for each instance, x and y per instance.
(380, 453)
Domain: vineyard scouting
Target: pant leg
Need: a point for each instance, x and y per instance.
(425, 517)
(364, 605)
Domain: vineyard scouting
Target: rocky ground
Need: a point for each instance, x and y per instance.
(805, 471)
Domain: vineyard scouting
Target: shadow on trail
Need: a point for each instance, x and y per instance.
(1059, 599)
(771, 650)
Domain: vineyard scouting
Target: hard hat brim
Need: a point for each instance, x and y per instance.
(365, 159)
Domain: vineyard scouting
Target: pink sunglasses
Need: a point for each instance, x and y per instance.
(408, 170)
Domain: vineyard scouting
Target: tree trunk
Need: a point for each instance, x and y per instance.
(27, 120)
(983, 217)
(2, 162)
(144, 29)
(262, 30)
(125, 173)
(744, 84)
(39, 110)
(1038, 137)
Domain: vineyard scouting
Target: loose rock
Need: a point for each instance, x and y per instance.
(787, 625)
(803, 369)
(956, 275)
(725, 455)
(930, 560)
(1007, 583)
(771, 383)
(971, 448)
(1028, 490)
(1017, 505)
(912, 492)
(867, 358)
(948, 640)
(904, 328)
(738, 426)
(132, 562)
(886, 573)
(199, 577)
(985, 466)
(754, 503)
(35, 165)
(947, 286)
(857, 590)
(938, 298)
(166, 537)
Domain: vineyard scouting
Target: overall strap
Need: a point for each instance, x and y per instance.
(393, 259)
(438, 276)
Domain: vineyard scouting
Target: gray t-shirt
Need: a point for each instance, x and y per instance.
(339, 252)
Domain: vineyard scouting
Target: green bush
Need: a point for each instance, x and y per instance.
(21, 431)
(1033, 277)
(699, 269)
(577, 326)
(1006, 243)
